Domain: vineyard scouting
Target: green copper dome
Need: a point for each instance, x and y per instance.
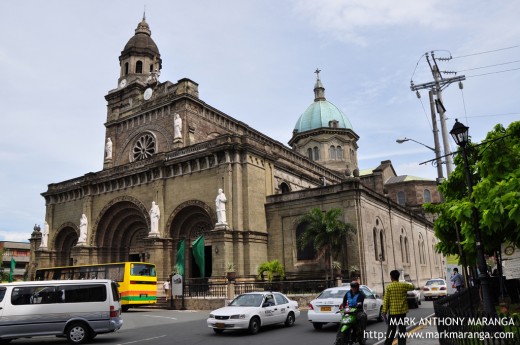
(320, 113)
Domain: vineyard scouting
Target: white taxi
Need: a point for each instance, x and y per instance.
(323, 309)
(253, 310)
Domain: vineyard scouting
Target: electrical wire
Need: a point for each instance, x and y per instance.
(490, 115)
(479, 75)
(464, 103)
(498, 64)
(415, 69)
(486, 52)
(424, 110)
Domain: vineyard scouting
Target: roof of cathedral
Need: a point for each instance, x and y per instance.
(142, 40)
(406, 178)
(320, 113)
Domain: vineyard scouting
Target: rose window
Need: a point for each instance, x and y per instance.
(144, 147)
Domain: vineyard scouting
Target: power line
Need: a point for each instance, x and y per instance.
(506, 70)
(498, 64)
(486, 52)
(424, 110)
(492, 115)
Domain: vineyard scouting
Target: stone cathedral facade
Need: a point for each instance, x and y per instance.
(165, 146)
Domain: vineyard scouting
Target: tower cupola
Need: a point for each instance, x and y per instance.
(140, 57)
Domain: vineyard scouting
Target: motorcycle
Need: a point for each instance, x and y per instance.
(347, 333)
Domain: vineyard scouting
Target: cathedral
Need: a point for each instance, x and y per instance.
(175, 168)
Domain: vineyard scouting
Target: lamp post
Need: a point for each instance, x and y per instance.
(382, 275)
(459, 133)
(438, 161)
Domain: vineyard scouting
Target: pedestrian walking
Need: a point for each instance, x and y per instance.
(396, 306)
(457, 280)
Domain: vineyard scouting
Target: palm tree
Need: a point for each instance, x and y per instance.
(271, 268)
(327, 232)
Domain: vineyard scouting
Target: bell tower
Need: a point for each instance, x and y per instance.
(140, 60)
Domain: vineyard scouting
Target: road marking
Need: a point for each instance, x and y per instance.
(164, 317)
(147, 339)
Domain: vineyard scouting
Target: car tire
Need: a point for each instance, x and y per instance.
(5, 341)
(78, 333)
(419, 302)
(289, 321)
(317, 325)
(380, 316)
(218, 330)
(124, 308)
(254, 325)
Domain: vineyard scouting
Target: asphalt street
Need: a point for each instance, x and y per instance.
(162, 327)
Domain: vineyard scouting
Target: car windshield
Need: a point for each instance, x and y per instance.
(248, 300)
(435, 282)
(332, 294)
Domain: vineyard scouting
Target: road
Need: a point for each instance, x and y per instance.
(166, 327)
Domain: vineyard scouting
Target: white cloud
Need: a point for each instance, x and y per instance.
(14, 236)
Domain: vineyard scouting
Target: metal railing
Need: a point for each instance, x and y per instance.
(461, 321)
(206, 289)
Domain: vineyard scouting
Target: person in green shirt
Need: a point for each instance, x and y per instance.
(396, 306)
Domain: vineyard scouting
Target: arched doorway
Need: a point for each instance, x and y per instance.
(66, 238)
(188, 222)
(121, 230)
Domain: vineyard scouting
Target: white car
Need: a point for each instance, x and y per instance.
(323, 309)
(253, 310)
(435, 288)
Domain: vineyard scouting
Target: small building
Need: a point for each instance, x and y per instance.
(20, 252)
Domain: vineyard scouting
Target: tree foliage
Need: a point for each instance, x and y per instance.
(271, 268)
(327, 232)
(495, 170)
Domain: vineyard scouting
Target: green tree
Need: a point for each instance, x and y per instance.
(328, 233)
(271, 268)
(495, 169)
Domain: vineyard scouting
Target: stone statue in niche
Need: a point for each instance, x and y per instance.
(45, 236)
(177, 127)
(155, 215)
(83, 225)
(220, 203)
(108, 149)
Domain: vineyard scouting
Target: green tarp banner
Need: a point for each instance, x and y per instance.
(198, 253)
(11, 270)
(179, 258)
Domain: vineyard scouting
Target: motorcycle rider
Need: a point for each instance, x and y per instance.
(354, 298)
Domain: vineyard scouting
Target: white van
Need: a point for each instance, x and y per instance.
(77, 309)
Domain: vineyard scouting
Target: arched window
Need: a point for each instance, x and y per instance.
(401, 198)
(284, 187)
(309, 153)
(407, 250)
(339, 153)
(139, 67)
(382, 244)
(421, 250)
(332, 153)
(308, 252)
(402, 248)
(151, 68)
(316, 153)
(427, 195)
(126, 68)
(375, 244)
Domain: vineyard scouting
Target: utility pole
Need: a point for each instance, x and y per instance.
(435, 88)
(435, 130)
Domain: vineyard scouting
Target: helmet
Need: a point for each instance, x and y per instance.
(354, 284)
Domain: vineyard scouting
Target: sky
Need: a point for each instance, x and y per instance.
(255, 61)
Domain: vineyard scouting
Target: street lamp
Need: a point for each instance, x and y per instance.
(382, 275)
(459, 133)
(438, 161)
(400, 141)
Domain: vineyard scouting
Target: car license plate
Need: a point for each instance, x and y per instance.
(434, 289)
(220, 325)
(326, 309)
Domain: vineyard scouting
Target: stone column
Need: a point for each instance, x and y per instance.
(35, 241)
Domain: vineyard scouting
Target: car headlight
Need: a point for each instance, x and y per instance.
(211, 316)
(238, 316)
